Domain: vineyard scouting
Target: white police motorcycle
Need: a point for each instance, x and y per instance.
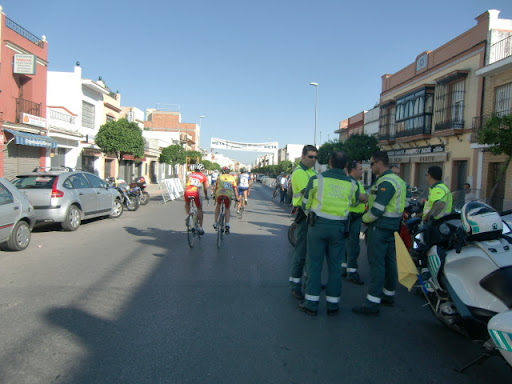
(465, 272)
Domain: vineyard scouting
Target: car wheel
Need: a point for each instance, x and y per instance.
(73, 219)
(117, 209)
(20, 237)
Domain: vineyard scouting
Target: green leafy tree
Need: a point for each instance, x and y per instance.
(207, 164)
(173, 155)
(360, 147)
(285, 166)
(121, 137)
(193, 156)
(497, 134)
(327, 148)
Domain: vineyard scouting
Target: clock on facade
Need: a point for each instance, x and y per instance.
(421, 62)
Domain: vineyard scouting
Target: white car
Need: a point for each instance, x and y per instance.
(17, 217)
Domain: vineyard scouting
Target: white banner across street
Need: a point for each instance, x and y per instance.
(237, 146)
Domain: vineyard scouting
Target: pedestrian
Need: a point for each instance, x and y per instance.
(386, 203)
(283, 187)
(300, 179)
(349, 260)
(327, 200)
(468, 195)
(437, 191)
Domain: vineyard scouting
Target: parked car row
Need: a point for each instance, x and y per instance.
(53, 195)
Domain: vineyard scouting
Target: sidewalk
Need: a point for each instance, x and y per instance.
(153, 190)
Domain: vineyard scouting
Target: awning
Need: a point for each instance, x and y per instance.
(25, 138)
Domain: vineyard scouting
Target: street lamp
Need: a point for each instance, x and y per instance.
(316, 103)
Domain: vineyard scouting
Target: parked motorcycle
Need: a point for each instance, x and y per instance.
(141, 183)
(130, 195)
(465, 272)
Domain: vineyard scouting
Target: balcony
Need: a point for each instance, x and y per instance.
(500, 50)
(27, 106)
(451, 124)
(479, 122)
(23, 32)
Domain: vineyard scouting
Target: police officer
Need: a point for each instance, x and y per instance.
(386, 204)
(327, 198)
(300, 179)
(349, 260)
(437, 191)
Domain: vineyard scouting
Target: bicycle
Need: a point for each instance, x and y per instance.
(220, 222)
(192, 223)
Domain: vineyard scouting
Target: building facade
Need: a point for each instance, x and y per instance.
(497, 101)
(427, 109)
(24, 141)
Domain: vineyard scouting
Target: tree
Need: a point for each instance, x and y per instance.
(121, 137)
(327, 148)
(193, 156)
(173, 155)
(497, 133)
(285, 166)
(360, 147)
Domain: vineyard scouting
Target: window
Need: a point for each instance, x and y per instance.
(503, 100)
(449, 108)
(5, 196)
(413, 115)
(77, 181)
(87, 114)
(110, 118)
(96, 182)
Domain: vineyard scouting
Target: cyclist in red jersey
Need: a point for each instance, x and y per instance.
(194, 182)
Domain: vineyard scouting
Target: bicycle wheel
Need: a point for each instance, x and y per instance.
(220, 229)
(191, 235)
(292, 235)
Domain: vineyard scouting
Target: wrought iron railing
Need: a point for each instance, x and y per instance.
(500, 50)
(479, 122)
(62, 117)
(23, 32)
(27, 106)
(451, 124)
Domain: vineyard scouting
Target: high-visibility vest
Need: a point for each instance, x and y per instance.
(359, 208)
(331, 198)
(440, 192)
(300, 179)
(396, 205)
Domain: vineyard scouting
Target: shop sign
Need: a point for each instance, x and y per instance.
(24, 64)
(33, 120)
(416, 150)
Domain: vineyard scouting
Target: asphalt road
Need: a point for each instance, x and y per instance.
(127, 301)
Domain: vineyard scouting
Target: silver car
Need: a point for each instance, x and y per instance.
(17, 217)
(67, 196)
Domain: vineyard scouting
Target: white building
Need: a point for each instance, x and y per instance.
(75, 111)
(371, 122)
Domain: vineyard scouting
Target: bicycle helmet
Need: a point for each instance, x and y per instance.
(480, 221)
(225, 170)
(243, 170)
(199, 167)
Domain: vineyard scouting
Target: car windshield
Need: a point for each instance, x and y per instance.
(34, 182)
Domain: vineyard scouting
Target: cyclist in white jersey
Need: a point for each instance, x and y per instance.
(244, 183)
(215, 175)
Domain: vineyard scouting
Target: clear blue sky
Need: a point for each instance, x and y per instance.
(247, 66)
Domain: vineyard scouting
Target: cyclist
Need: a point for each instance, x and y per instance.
(225, 186)
(244, 185)
(215, 174)
(194, 181)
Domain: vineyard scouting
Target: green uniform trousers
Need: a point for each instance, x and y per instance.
(353, 247)
(299, 255)
(382, 261)
(325, 239)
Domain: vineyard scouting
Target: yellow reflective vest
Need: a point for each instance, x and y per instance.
(330, 195)
(359, 208)
(300, 179)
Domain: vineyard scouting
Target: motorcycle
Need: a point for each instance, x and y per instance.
(464, 261)
(129, 195)
(141, 183)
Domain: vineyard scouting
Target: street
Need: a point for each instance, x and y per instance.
(127, 301)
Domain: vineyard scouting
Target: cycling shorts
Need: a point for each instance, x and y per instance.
(227, 200)
(241, 190)
(195, 195)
